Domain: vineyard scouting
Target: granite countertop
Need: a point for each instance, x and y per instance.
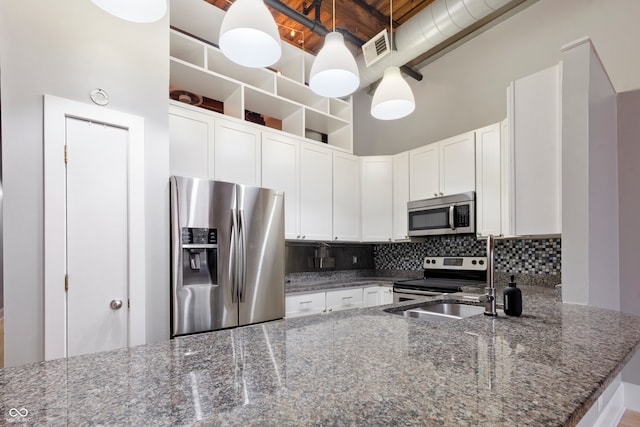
(354, 367)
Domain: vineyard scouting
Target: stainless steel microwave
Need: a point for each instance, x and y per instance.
(455, 214)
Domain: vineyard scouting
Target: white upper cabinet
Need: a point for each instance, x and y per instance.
(488, 180)
(400, 195)
(191, 139)
(377, 198)
(534, 127)
(237, 153)
(346, 197)
(457, 164)
(443, 168)
(315, 192)
(424, 172)
(281, 171)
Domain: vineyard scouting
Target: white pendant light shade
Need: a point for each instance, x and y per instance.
(334, 72)
(141, 11)
(249, 34)
(393, 98)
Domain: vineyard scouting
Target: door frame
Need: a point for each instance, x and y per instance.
(56, 111)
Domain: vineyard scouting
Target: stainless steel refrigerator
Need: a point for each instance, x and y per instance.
(227, 255)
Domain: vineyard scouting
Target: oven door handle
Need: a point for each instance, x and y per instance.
(451, 219)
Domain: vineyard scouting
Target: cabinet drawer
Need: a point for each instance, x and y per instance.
(344, 299)
(305, 304)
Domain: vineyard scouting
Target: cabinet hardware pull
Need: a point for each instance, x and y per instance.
(347, 297)
(306, 302)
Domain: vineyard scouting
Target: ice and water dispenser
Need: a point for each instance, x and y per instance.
(199, 256)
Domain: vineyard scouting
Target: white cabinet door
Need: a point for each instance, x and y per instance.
(191, 139)
(534, 122)
(344, 299)
(371, 296)
(488, 180)
(346, 197)
(377, 198)
(305, 304)
(386, 295)
(424, 172)
(315, 192)
(281, 171)
(400, 195)
(237, 153)
(457, 164)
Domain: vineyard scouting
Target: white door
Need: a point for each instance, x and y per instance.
(97, 236)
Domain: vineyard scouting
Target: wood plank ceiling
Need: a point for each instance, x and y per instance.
(363, 18)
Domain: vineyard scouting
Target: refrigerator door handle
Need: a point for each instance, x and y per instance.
(233, 280)
(242, 255)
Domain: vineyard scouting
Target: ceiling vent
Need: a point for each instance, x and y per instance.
(376, 48)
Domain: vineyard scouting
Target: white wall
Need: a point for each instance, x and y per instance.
(629, 206)
(67, 49)
(590, 262)
(465, 89)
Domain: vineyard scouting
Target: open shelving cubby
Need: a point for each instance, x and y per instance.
(280, 94)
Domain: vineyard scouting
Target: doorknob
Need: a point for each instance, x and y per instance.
(116, 304)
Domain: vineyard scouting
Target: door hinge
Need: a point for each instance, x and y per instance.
(128, 303)
(65, 153)
(66, 282)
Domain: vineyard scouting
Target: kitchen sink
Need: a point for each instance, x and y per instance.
(439, 311)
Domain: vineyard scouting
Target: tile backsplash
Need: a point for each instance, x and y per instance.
(534, 256)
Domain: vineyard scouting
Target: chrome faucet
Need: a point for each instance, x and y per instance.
(489, 298)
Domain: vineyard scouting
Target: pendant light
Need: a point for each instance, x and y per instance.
(249, 35)
(393, 98)
(334, 72)
(140, 11)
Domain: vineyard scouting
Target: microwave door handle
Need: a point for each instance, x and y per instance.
(451, 219)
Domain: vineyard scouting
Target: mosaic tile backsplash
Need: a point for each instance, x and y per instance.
(534, 256)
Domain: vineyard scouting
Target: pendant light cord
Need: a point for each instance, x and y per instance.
(391, 25)
(334, 15)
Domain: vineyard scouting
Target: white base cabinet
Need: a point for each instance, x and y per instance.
(344, 299)
(307, 303)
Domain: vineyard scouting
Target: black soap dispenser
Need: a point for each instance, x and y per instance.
(512, 299)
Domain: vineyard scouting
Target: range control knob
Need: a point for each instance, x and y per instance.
(474, 262)
(433, 261)
(481, 262)
(428, 261)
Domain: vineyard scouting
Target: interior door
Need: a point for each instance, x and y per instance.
(97, 236)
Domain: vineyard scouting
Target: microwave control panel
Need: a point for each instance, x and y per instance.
(462, 215)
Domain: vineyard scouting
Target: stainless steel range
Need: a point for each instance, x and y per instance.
(443, 275)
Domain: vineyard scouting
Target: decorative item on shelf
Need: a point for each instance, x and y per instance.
(140, 11)
(197, 100)
(185, 97)
(393, 98)
(249, 35)
(334, 72)
(316, 136)
(252, 117)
